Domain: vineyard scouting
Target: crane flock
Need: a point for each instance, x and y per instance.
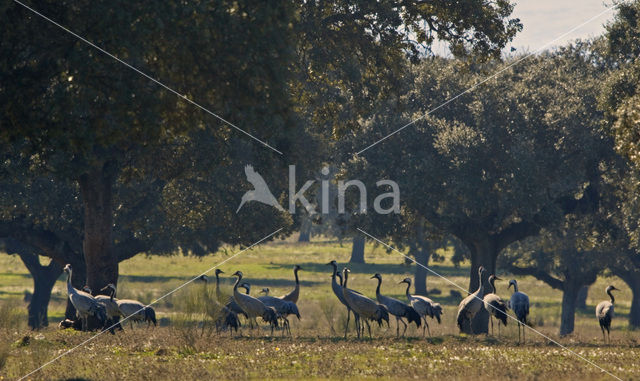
(275, 311)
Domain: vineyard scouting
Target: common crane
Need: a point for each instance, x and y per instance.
(472, 304)
(519, 303)
(397, 308)
(295, 293)
(363, 307)
(85, 304)
(111, 305)
(337, 290)
(423, 306)
(604, 313)
(252, 307)
(495, 305)
(284, 308)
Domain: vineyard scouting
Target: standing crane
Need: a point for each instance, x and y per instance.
(604, 313)
(363, 307)
(110, 303)
(423, 306)
(295, 293)
(472, 304)
(397, 308)
(85, 304)
(252, 307)
(222, 316)
(519, 303)
(495, 305)
(337, 290)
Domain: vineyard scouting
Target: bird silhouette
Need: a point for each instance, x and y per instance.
(260, 193)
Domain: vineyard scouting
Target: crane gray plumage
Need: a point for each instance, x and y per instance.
(337, 290)
(495, 305)
(295, 293)
(222, 316)
(84, 303)
(253, 307)
(423, 306)
(134, 310)
(111, 305)
(260, 193)
(519, 303)
(363, 307)
(284, 308)
(472, 304)
(397, 308)
(604, 313)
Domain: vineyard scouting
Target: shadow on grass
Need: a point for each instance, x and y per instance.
(366, 268)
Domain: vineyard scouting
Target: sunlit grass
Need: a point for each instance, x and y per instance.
(184, 350)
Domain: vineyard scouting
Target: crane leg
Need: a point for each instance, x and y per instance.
(491, 319)
(346, 327)
(405, 327)
(368, 327)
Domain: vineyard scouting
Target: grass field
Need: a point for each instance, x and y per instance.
(180, 348)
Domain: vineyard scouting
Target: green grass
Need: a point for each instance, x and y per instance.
(180, 349)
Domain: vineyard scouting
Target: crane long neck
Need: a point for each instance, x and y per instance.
(378, 288)
(407, 292)
(217, 280)
(611, 296)
(480, 286)
(335, 269)
(515, 286)
(235, 286)
(70, 288)
(295, 273)
(339, 278)
(492, 282)
(346, 277)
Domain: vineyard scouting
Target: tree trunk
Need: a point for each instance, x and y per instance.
(100, 259)
(483, 253)
(305, 230)
(44, 277)
(581, 301)
(422, 255)
(632, 279)
(569, 300)
(357, 250)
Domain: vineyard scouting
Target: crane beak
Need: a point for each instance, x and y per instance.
(496, 277)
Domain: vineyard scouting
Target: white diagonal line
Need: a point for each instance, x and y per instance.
(184, 97)
(509, 316)
(470, 89)
(142, 309)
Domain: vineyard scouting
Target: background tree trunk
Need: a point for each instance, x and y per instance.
(44, 277)
(100, 259)
(483, 253)
(633, 281)
(569, 300)
(422, 254)
(305, 230)
(357, 250)
(581, 301)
